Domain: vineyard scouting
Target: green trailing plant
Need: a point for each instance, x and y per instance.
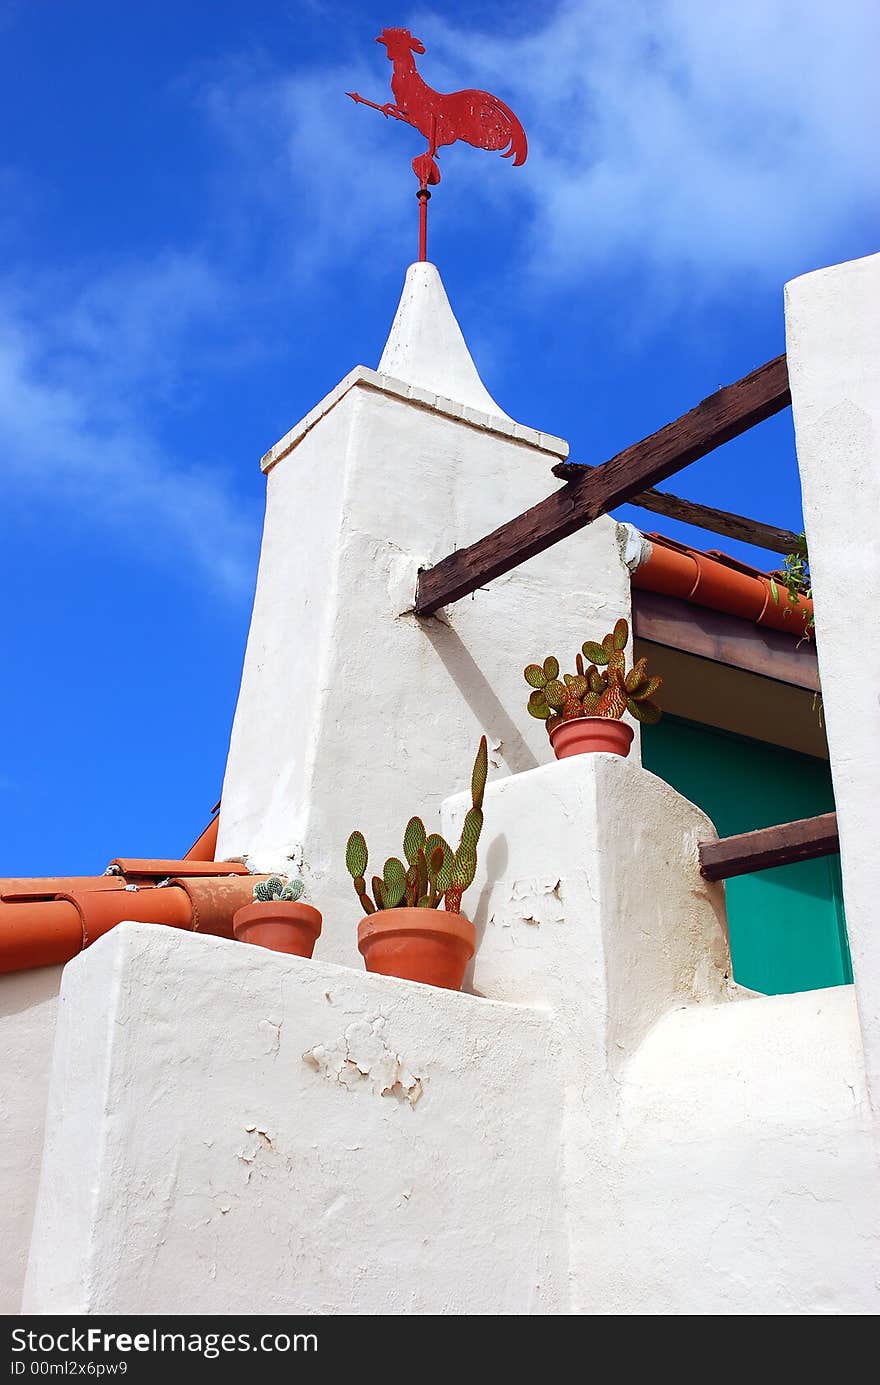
(794, 579)
(276, 888)
(600, 687)
(431, 873)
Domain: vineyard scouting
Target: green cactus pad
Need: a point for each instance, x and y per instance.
(394, 881)
(636, 678)
(534, 676)
(646, 712)
(653, 685)
(616, 666)
(621, 634)
(538, 706)
(433, 842)
(356, 855)
(556, 693)
(378, 892)
(292, 891)
(480, 773)
(472, 827)
(261, 892)
(444, 877)
(465, 867)
(551, 667)
(591, 704)
(596, 653)
(413, 839)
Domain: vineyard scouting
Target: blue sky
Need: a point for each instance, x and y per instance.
(200, 235)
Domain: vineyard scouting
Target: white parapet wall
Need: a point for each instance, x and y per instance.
(601, 1127)
(833, 340)
(707, 1167)
(234, 1131)
(28, 1007)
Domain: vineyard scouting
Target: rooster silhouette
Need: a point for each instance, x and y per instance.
(476, 117)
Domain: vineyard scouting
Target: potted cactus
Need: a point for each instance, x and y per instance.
(278, 919)
(404, 932)
(583, 710)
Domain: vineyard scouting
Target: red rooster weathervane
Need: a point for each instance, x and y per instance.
(473, 116)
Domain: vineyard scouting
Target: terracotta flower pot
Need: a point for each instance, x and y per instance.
(582, 734)
(280, 924)
(428, 945)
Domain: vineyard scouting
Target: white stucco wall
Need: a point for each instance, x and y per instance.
(28, 1005)
(706, 1168)
(331, 1143)
(603, 1130)
(833, 341)
(353, 713)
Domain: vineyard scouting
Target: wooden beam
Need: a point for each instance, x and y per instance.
(724, 639)
(731, 526)
(724, 415)
(803, 840)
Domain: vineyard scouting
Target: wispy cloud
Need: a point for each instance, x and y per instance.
(80, 374)
(703, 139)
(700, 141)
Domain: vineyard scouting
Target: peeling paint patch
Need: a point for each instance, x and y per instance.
(362, 1054)
(533, 902)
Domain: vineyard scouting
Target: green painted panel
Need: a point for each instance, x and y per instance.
(787, 928)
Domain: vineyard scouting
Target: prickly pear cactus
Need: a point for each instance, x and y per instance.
(434, 873)
(600, 687)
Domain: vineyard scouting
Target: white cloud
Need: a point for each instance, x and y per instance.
(77, 382)
(702, 139)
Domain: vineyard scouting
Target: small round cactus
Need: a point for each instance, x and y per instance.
(276, 888)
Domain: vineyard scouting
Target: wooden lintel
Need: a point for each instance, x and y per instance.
(731, 526)
(724, 639)
(803, 840)
(719, 418)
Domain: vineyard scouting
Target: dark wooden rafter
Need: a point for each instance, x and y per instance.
(725, 639)
(732, 410)
(753, 531)
(803, 840)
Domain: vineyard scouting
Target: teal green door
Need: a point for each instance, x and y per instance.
(787, 927)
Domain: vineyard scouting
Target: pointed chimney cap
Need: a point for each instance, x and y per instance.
(426, 348)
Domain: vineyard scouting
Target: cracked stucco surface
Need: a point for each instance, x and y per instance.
(361, 1054)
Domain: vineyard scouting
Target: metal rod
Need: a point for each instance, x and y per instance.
(423, 196)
